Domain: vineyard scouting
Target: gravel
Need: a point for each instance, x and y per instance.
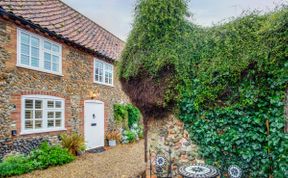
(119, 162)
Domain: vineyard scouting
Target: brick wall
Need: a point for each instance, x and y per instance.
(75, 86)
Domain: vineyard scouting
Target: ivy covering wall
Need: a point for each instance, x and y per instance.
(227, 83)
(234, 108)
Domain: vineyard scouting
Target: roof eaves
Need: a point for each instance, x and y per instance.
(24, 21)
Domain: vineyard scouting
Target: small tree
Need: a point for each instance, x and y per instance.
(153, 52)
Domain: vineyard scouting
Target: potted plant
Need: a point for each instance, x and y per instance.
(74, 143)
(112, 137)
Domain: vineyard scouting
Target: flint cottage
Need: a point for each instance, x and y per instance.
(57, 75)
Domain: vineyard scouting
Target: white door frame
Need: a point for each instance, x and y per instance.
(96, 102)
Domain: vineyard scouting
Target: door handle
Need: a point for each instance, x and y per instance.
(94, 124)
(93, 116)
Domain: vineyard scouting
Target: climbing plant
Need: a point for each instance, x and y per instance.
(234, 110)
(227, 83)
(153, 52)
(126, 115)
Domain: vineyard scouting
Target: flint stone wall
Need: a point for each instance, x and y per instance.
(75, 86)
(169, 134)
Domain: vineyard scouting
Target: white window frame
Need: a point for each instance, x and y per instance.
(41, 53)
(45, 110)
(94, 69)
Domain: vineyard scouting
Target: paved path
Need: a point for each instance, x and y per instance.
(122, 161)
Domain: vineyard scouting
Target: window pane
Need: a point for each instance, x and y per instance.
(58, 115)
(99, 65)
(38, 124)
(50, 115)
(106, 77)
(35, 62)
(29, 104)
(58, 104)
(55, 48)
(38, 104)
(108, 67)
(99, 71)
(50, 123)
(47, 61)
(97, 78)
(24, 59)
(47, 45)
(25, 38)
(29, 124)
(28, 114)
(110, 78)
(34, 41)
(55, 59)
(50, 104)
(55, 65)
(25, 49)
(35, 52)
(58, 123)
(38, 114)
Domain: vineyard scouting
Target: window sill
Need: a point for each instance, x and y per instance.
(42, 131)
(108, 85)
(40, 70)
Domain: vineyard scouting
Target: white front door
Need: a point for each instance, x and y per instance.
(94, 123)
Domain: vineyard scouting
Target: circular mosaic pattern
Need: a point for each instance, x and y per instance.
(198, 171)
(160, 161)
(234, 171)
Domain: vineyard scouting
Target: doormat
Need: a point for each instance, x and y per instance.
(96, 150)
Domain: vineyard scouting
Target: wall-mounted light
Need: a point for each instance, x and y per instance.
(94, 94)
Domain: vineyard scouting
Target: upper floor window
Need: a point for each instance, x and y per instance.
(38, 53)
(103, 72)
(42, 113)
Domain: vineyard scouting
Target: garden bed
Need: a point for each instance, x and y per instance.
(121, 161)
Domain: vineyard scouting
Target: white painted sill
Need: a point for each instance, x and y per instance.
(108, 85)
(40, 70)
(42, 131)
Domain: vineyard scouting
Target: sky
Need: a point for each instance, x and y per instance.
(116, 16)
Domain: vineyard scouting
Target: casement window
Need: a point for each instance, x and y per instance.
(42, 113)
(38, 53)
(103, 72)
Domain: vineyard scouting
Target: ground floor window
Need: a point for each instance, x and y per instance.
(42, 113)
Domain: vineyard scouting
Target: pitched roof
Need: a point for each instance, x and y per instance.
(60, 18)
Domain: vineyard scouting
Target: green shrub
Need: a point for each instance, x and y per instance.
(40, 158)
(131, 137)
(121, 115)
(74, 143)
(16, 165)
(134, 115)
(141, 132)
(126, 115)
(47, 155)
